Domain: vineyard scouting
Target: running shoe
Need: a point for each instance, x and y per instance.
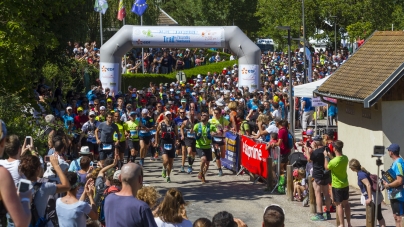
(182, 170)
(220, 173)
(168, 180)
(317, 217)
(189, 171)
(163, 173)
(327, 216)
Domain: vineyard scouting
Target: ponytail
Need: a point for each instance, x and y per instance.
(364, 170)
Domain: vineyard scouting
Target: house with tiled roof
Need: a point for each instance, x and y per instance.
(369, 88)
(166, 20)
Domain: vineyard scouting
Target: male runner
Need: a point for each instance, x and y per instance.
(120, 138)
(180, 140)
(132, 131)
(204, 132)
(188, 136)
(145, 135)
(104, 136)
(88, 130)
(165, 136)
(221, 124)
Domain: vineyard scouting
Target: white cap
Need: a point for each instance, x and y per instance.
(171, 89)
(209, 84)
(167, 113)
(199, 76)
(193, 93)
(145, 111)
(69, 108)
(84, 150)
(117, 174)
(91, 113)
(102, 108)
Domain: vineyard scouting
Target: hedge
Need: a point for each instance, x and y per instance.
(140, 80)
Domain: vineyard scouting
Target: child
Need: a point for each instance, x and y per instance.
(274, 140)
(299, 183)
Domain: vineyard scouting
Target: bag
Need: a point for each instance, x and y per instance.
(100, 209)
(374, 183)
(290, 140)
(281, 184)
(50, 210)
(199, 134)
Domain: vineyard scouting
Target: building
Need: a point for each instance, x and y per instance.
(369, 87)
(165, 19)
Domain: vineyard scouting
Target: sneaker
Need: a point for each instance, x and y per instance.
(220, 173)
(189, 171)
(163, 173)
(168, 180)
(182, 170)
(327, 216)
(317, 217)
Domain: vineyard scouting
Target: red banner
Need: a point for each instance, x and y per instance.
(254, 156)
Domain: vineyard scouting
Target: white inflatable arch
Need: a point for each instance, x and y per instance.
(130, 36)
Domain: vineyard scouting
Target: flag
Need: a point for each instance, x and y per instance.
(101, 6)
(309, 67)
(121, 10)
(139, 7)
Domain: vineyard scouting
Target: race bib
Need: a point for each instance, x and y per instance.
(91, 140)
(115, 136)
(153, 132)
(133, 133)
(143, 131)
(168, 146)
(107, 146)
(190, 135)
(217, 139)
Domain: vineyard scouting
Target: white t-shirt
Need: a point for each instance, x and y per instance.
(272, 129)
(72, 215)
(276, 114)
(12, 167)
(184, 223)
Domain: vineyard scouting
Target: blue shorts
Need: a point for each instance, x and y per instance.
(397, 206)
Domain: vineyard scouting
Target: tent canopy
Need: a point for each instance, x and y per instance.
(306, 90)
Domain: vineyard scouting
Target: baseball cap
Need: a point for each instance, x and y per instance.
(132, 113)
(117, 174)
(309, 132)
(80, 109)
(395, 148)
(49, 118)
(167, 113)
(183, 100)
(92, 113)
(145, 111)
(91, 103)
(109, 100)
(102, 108)
(69, 108)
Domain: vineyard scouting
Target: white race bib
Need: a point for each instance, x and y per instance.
(168, 146)
(107, 146)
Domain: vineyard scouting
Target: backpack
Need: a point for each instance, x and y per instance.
(101, 209)
(242, 127)
(199, 134)
(50, 210)
(374, 183)
(290, 140)
(281, 184)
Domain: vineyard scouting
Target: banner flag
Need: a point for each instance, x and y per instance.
(139, 7)
(121, 10)
(230, 161)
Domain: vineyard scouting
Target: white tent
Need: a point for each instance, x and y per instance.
(306, 90)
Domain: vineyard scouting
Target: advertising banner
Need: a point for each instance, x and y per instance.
(249, 75)
(254, 156)
(109, 76)
(317, 102)
(178, 36)
(231, 159)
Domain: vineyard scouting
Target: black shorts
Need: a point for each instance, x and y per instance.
(121, 147)
(297, 115)
(285, 158)
(93, 148)
(205, 152)
(325, 181)
(397, 206)
(181, 144)
(134, 145)
(146, 139)
(340, 194)
(169, 153)
(190, 143)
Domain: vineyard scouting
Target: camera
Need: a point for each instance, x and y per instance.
(378, 151)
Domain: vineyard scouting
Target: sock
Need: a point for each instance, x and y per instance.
(189, 161)
(220, 169)
(192, 160)
(328, 212)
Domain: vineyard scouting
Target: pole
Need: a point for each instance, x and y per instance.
(291, 109)
(102, 40)
(289, 183)
(335, 36)
(125, 52)
(141, 24)
(304, 46)
(378, 163)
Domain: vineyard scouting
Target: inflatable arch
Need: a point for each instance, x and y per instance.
(130, 36)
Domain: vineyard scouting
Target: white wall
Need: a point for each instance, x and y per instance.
(359, 135)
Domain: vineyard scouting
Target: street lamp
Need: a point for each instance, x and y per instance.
(335, 34)
(291, 108)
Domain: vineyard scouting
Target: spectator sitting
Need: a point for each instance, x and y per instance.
(171, 211)
(274, 216)
(202, 222)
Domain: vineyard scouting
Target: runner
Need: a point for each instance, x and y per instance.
(180, 146)
(132, 131)
(88, 130)
(204, 132)
(167, 132)
(120, 138)
(104, 135)
(188, 136)
(145, 134)
(219, 140)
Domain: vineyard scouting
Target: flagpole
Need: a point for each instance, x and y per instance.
(141, 24)
(102, 40)
(125, 52)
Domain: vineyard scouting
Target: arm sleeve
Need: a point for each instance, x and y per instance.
(331, 164)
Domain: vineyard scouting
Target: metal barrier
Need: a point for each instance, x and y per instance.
(276, 156)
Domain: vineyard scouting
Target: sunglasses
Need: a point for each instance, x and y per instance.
(204, 115)
(275, 207)
(182, 112)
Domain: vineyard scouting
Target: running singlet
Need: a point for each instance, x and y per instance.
(219, 124)
(121, 131)
(148, 122)
(133, 129)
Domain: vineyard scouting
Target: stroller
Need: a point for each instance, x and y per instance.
(298, 160)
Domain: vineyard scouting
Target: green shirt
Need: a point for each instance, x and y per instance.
(219, 124)
(338, 167)
(133, 129)
(204, 142)
(120, 128)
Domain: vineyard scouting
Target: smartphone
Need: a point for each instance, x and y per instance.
(47, 158)
(307, 143)
(28, 140)
(95, 164)
(24, 185)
